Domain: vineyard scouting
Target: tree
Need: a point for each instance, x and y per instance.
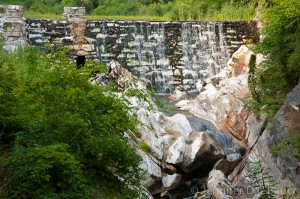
(280, 72)
(64, 130)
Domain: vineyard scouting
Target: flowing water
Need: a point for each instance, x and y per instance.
(166, 53)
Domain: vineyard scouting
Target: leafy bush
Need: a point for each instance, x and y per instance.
(280, 72)
(44, 172)
(53, 121)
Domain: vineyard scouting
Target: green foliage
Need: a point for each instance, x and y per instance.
(2, 10)
(117, 7)
(145, 147)
(280, 72)
(136, 132)
(288, 147)
(94, 67)
(61, 128)
(263, 183)
(164, 9)
(6, 26)
(44, 172)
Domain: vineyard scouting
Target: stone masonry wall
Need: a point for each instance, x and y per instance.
(171, 54)
(12, 26)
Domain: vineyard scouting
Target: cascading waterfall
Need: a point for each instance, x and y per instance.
(203, 51)
(169, 54)
(103, 43)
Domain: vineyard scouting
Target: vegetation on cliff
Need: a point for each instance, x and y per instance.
(61, 136)
(279, 73)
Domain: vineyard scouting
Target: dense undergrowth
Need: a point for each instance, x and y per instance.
(279, 73)
(145, 9)
(61, 136)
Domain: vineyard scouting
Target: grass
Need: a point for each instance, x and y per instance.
(42, 16)
(228, 15)
(232, 13)
(97, 17)
(146, 18)
(145, 147)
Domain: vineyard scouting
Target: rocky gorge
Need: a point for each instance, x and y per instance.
(205, 148)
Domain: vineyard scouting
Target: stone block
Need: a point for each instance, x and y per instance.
(88, 47)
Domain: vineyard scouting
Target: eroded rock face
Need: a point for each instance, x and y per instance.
(240, 61)
(176, 151)
(171, 181)
(181, 145)
(222, 105)
(220, 100)
(152, 172)
(284, 170)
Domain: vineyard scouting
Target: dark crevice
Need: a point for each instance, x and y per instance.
(80, 61)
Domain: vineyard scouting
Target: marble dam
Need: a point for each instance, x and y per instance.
(168, 53)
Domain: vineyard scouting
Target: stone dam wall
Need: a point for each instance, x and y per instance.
(168, 53)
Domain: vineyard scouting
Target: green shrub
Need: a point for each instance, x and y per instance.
(6, 26)
(280, 72)
(288, 147)
(44, 172)
(145, 147)
(54, 121)
(2, 10)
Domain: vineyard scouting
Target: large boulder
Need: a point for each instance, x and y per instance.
(151, 170)
(179, 125)
(221, 187)
(194, 153)
(216, 103)
(178, 95)
(201, 152)
(171, 181)
(176, 151)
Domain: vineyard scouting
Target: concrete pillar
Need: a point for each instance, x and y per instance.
(12, 26)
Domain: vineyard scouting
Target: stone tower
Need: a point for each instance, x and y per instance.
(12, 26)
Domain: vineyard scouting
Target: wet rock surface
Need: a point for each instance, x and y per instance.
(187, 144)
